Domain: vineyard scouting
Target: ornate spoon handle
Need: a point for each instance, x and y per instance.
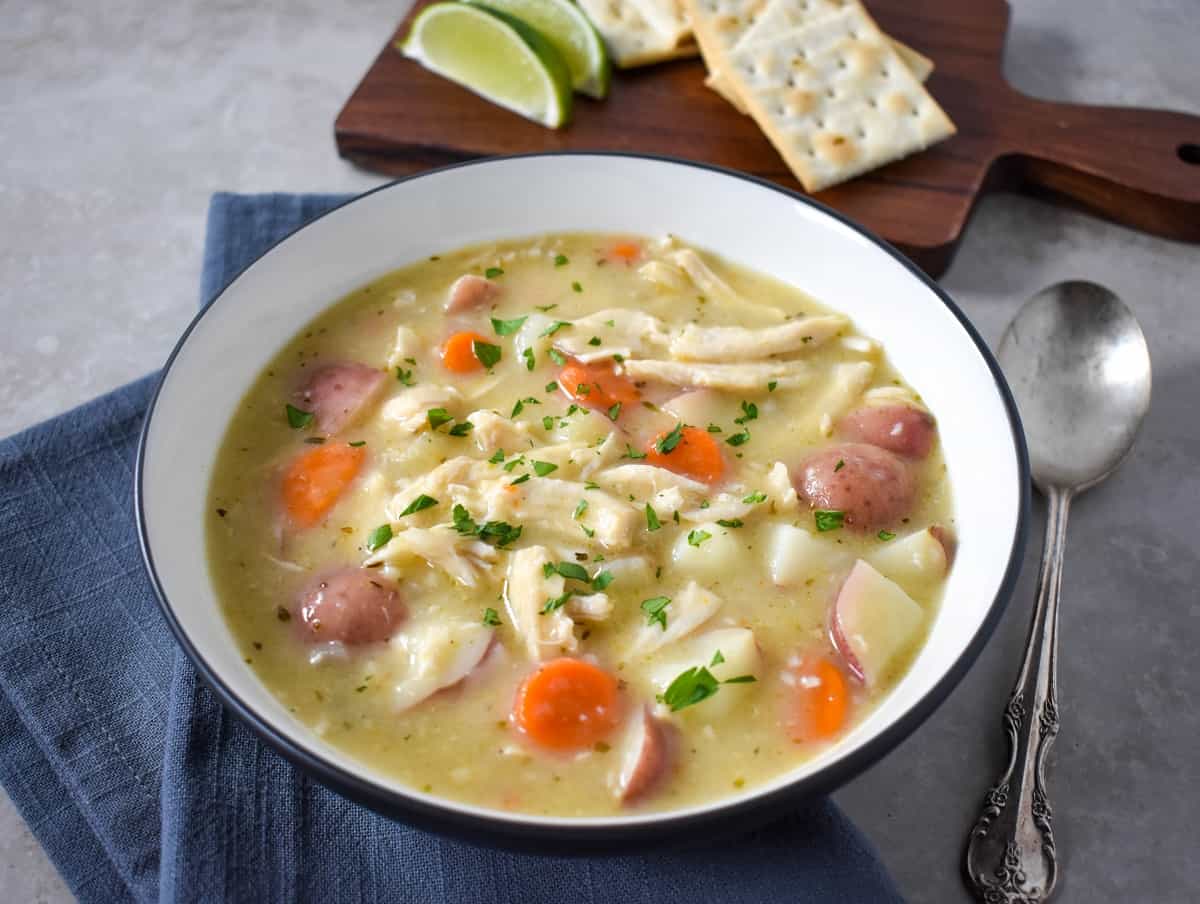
(1010, 855)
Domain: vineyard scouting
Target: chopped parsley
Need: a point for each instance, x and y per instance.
(771, 386)
(630, 452)
(357, 443)
(521, 403)
(557, 357)
(754, 498)
(749, 413)
(497, 457)
(499, 532)
(297, 417)
(488, 354)
(713, 428)
(437, 417)
(841, 463)
(652, 522)
(547, 422)
(530, 363)
(595, 340)
(696, 685)
(739, 439)
(591, 485)
(520, 459)
(520, 480)
(507, 327)
(614, 412)
(667, 443)
(730, 522)
(556, 603)
(493, 272)
(551, 386)
(560, 260)
(828, 519)
(491, 618)
(588, 532)
(461, 429)
(419, 504)
(553, 328)
(580, 509)
(542, 468)
(405, 376)
(886, 535)
(576, 287)
(656, 610)
(379, 537)
(570, 570)
(717, 659)
(696, 537)
(602, 580)
(544, 308)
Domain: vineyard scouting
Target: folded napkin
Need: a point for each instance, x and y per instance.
(141, 787)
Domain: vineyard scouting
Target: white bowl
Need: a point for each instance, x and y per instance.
(754, 223)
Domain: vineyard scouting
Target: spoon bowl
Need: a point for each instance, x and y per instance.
(1079, 368)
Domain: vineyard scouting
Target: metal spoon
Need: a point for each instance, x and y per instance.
(1079, 368)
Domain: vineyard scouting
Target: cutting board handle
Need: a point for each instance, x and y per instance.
(1133, 166)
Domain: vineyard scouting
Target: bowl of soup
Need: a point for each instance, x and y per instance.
(572, 501)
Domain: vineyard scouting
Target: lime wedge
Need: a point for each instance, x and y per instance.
(495, 55)
(572, 36)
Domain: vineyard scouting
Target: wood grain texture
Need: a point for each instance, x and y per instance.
(1132, 166)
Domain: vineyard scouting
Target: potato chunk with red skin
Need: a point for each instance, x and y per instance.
(647, 758)
(873, 487)
(338, 393)
(470, 292)
(902, 429)
(350, 606)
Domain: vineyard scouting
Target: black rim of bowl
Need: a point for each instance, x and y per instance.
(723, 817)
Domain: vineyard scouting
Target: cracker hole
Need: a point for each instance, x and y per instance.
(1189, 153)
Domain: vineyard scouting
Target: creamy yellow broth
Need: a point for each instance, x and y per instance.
(460, 742)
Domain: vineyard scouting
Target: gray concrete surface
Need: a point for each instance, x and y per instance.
(121, 118)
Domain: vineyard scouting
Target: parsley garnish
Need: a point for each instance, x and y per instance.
(497, 457)
(551, 386)
(588, 532)
(713, 428)
(595, 340)
(730, 522)
(666, 444)
(461, 429)
(695, 685)
(560, 260)
(493, 272)
(491, 618)
(570, 570)
(542, 468)
(553, 328)
(557, 357)
(379, 537)
(520, 480)
(576, 287)
(499, 532)
(556, 603)
(841, 463)
(886, 535)
(419, 504)
(547, 422)
(655, 609)
(828, 519)
(297, 417)
(652, 522)
(437, 417)
(602, 580)
(488, 354)
(405, 376)
(630, 452)
(614, 412)
(357, 443)
(530, 363)
(771, 386)
(696, 537)
(521, 403)
(755, 497)
(739, 439)
(717, 659)
(507, 327)
(749, 413)
(544, 308)
(580, 509)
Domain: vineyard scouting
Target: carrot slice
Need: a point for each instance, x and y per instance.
(820, 700)
(597, 385)
(458, 352)
(624, 252)
(567, 704)
(315, 480)
(697, 455)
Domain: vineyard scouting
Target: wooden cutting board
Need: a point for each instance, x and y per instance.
(1136, 167)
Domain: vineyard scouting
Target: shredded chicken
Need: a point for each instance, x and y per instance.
(664, 275)
(631, 333)
(644, 481)
(737, 343)
(409, 408)
(550, 504)
(842, 390)
(463, 558)
(407, 345)
(744, 377)
(723, 507)
(494, 431)
(689, 609)
(589, 607)
(526, 592)
(702, 276)
(781, 493)
(438, 656)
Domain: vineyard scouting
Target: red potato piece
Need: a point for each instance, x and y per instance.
(949, 542)
(647, 757)
(470, 292)
(873, 622)
(338, 393)
(351, 606)
(902, 429)
(872, 486)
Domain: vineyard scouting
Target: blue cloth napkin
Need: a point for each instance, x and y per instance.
(142, 788)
